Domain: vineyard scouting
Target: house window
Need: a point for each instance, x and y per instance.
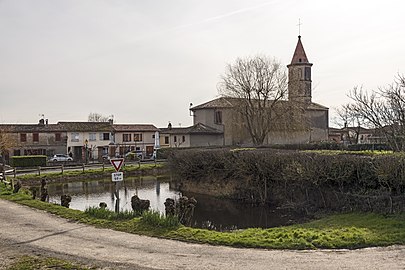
(74, 137)
(126, 137)
(105, 136)
(166, 139)
(23, 137)
(175, 139)
(58, 137)
(35, 137)
(17, 152)
(184, 138)
(137, 137)
(218, 117)
(92, 136)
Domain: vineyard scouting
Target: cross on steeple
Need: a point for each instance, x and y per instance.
(299, 27)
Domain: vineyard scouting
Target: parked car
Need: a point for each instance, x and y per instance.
(134, 155)
(61, 157)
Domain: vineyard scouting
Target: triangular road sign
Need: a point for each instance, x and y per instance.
(117, 163)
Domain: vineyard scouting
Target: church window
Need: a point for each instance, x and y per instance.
(307, 73)
(218, 117)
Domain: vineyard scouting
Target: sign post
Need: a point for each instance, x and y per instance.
(117, 177)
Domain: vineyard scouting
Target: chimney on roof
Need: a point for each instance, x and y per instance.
(46, 122)
(111, 121)
(169, 126)
(41, 122)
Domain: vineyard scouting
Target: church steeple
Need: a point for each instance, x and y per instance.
(299, 53)
(299, 76)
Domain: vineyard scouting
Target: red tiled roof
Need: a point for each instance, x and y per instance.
(226, 102)
(198, 128)
(134, 127)
(86, 126)
(12, 128)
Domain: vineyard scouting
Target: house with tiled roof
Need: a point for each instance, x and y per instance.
(197, 135)
(35, 139)
(221, 113)
(88, 140)
(139, 138)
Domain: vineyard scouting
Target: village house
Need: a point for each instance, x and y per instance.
(35, 139)
(137, 138)
(198, 135)
(88, 140)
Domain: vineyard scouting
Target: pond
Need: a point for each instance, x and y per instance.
(210, 212)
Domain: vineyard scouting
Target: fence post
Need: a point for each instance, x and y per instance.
(15, 172)
(83, 167)
(39, 170)
(61, 168)
(139, 164)
(103, 165)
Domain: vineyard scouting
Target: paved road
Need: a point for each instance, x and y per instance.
(38, 232)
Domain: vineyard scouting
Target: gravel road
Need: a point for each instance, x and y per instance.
(29, 231)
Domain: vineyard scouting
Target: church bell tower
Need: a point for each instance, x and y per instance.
(299, 76)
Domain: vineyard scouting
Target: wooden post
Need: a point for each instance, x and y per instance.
(139, 164)
(61, 168)
(39, 170)
(103, 165)
(83, 167)
(15, 172)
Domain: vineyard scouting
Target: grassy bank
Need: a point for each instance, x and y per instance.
(354, 230)
(37, 262)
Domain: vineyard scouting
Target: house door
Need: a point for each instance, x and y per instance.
(149, 151)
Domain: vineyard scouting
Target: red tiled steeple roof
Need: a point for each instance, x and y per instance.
(299, 54)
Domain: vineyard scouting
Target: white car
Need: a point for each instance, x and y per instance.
(60, 157)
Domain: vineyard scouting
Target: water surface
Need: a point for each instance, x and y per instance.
(210, 212)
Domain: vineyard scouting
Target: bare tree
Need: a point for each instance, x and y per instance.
(350, 121)
(384, 110)
(6, 143)
(256, 84)
(97, 117)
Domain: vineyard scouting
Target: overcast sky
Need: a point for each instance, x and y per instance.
(146, 61)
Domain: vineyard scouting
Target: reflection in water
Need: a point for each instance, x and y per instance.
(86, 194)
(210, 212)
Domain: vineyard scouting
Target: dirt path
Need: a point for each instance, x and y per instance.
(32, 231)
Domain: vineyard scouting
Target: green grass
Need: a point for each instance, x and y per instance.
(35, 262)
(100, 171)
(345, 152)
(353, 230)
(156, 219)
(104, 213)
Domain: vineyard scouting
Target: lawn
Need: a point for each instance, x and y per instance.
(350, 230)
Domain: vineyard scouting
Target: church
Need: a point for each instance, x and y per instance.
(220, 114)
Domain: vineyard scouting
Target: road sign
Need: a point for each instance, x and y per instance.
(117, 163)
(117, 176)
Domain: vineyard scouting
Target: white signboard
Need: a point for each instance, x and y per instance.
(117, 176)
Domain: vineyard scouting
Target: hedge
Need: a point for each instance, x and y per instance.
(28, 161)
(307, 180)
